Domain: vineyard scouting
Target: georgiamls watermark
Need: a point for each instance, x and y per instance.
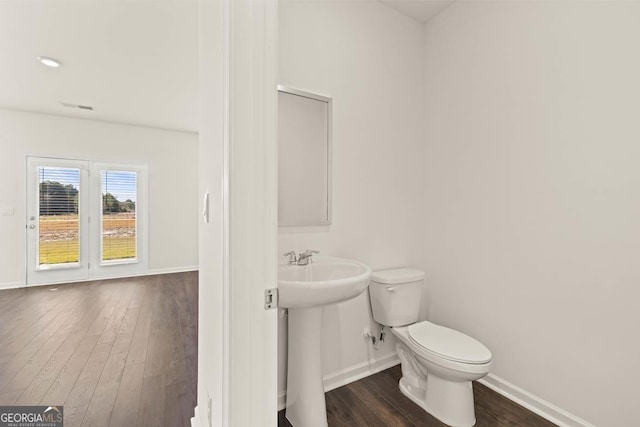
(31, 416)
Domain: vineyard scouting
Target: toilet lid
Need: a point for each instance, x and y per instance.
(448, 343)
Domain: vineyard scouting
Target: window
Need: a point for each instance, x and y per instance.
(58, 226)
(118, 222)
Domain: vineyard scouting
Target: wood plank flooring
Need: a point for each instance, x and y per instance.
(124, 353)
(114, 352)
(376, 401)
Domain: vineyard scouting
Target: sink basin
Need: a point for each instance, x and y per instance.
(327, 280)
(305, 290)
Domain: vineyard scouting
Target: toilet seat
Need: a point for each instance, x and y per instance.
(448, 343)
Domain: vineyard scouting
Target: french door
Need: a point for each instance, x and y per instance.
(57, 221)
(84, 220)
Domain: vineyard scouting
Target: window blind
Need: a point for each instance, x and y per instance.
(58, 191)
(119, 221)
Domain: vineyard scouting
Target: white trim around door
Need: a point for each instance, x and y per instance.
(77, 227)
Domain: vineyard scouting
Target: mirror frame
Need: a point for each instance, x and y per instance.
(329, 102)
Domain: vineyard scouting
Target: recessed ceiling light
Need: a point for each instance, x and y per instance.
(49, 62)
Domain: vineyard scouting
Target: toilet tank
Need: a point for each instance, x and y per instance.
(396, 295)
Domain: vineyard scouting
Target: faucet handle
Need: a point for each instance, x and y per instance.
(292, 257)
(306, 256)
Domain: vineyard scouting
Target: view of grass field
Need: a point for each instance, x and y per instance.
(59, 238)
(58, 252)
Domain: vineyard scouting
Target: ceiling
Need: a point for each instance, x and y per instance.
(421, 10)
(133, 61)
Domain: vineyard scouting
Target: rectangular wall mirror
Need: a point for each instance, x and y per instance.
(304, 158)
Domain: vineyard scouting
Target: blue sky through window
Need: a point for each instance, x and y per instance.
(121, 184)
(64, 176)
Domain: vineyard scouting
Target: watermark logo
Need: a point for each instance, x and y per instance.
(31, 416)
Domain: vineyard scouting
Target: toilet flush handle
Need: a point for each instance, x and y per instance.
(391, 288)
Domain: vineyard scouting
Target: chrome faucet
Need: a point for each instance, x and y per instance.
(304, 258)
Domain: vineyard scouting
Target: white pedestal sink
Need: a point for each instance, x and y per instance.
(305, 290)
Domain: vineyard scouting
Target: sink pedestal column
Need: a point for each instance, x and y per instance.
(305, 390)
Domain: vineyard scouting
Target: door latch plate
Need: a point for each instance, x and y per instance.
(270, 298)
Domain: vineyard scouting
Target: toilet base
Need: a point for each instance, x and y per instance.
(448, 404)
(449, 401)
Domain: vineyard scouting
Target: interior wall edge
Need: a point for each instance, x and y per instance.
(108, 122)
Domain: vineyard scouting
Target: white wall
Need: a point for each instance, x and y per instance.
(368, 58)
(532, 192)
(171, 158)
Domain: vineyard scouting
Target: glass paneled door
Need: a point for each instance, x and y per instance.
(57, 221)
(118, 235)
(85, 220)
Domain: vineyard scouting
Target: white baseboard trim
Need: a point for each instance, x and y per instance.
(11, 285)
(195, 420)
(512, 392)
(349, 375)
(141, 274)
(533, 403)
(359, 371)
(171, 270)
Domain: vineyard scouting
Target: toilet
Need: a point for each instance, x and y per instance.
(438, 363)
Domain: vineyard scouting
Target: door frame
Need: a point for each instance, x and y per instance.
(237, 351)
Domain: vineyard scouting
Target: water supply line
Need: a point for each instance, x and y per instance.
(375, 341)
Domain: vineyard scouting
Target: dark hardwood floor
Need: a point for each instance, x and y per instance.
(124, 353)
(377, 401)
(115, 352)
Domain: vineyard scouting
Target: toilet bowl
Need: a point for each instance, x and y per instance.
(438, 363)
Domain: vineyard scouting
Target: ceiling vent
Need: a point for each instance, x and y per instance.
(77, 106)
